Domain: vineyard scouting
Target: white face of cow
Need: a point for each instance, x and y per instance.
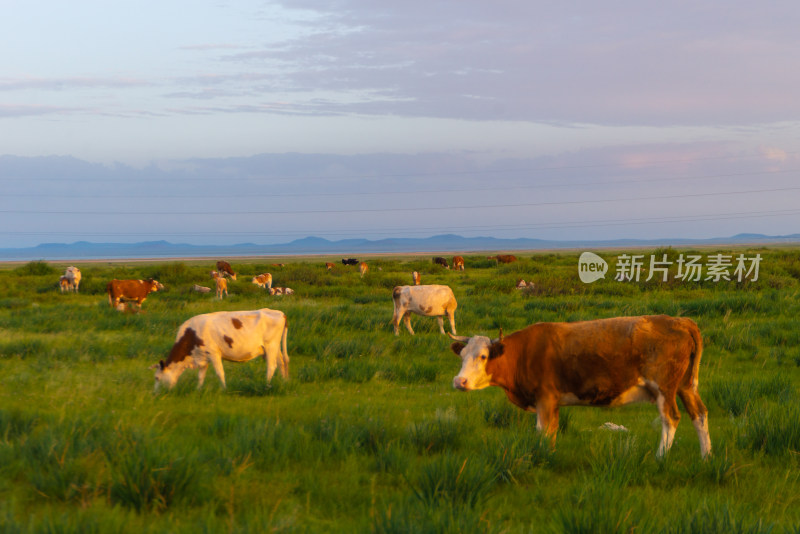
(474, 356)
(167, 375)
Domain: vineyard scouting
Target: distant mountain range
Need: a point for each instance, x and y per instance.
(317, 245)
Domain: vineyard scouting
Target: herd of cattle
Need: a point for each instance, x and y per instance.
(602, 362)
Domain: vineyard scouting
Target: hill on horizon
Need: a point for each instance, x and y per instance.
(318, 245)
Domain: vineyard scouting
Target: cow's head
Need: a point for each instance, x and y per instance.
(155, 285)
(475, 352)
(167, 374)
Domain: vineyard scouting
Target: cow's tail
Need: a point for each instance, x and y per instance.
(696, 355)
(284, 350)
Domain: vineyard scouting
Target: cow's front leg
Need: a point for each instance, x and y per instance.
(216, 361)
(202, 367)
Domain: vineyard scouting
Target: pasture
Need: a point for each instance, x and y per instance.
(368, 435)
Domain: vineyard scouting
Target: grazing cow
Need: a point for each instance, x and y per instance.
(503, 258)
(225, 269)
(130, 290)
(605, 362)
(64, 283)
(222, 286)
(363, 268)
(430, 301)
(235, 336)
(328, 265)
(73, 276)
(438, 260)
(281, 291)
(415, 276)
(458, 263)
(349, 261)
(263, 280)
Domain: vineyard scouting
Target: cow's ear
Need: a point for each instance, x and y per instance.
(457, 347)
(496, 349)
(161, 364)
(155, 366)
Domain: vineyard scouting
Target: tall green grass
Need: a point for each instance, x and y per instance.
(368, 434)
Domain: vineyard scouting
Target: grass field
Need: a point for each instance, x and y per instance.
(368, 434)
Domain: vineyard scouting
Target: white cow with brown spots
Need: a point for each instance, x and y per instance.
(416, 277)
(263, 281)
(429, 301)
(235, 336)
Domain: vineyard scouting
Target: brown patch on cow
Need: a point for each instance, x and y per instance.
(184, 346)
(229, 341)
(237, 324)
(396, 292)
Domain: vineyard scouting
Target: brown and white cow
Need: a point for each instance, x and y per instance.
(263, 280)
(329, 265)
(235, 336)
(503, 258)
(225, 269)
(415, 276)
(130, 290)
(363, 268)
(64, 283)
(73, 278)
(221, 286)
(458, 263)
(605, 362)
(429, 301)
(281, 291)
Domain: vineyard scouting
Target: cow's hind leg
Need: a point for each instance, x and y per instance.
(396, 320)
(440, 320)
(547, 418)
(271, 357)
(699, 415)
(451, 314)
(407, 321)
(670, 416)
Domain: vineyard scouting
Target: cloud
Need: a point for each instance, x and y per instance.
(15, 111)
(68, 83)
(554, 63)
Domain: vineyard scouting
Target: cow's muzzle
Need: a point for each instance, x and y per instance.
(460, 383)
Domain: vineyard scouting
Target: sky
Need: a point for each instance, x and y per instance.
(215, 122)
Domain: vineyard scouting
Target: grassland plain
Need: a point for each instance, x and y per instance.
(368, 435)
